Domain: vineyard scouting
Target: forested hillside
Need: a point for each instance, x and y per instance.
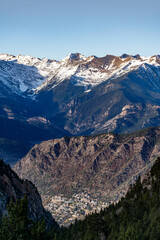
(135, 217)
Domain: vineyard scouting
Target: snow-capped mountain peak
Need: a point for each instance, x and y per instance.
(74, 57)
(26, 73)
(21, 73)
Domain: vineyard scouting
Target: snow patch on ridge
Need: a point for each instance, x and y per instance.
(22, 73)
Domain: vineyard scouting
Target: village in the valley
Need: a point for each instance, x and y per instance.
(66, 210)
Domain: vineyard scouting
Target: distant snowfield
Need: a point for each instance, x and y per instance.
(22, 73)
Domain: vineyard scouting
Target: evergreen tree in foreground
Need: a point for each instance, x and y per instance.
(17, 226)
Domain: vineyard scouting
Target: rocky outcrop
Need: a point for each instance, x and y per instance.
(12, 187)
(103, 165)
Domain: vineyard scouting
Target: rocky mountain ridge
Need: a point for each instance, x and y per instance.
(103, 165)
(30, 74)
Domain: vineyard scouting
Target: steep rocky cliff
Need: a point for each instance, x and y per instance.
(104, 165)
(11, 187)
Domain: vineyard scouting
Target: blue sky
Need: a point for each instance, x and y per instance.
(55, 28)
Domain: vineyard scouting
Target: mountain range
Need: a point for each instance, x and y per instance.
(82, 124)
(42, 99)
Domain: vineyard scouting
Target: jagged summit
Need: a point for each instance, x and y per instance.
(125, 55)
(137, 56)
(74, 57)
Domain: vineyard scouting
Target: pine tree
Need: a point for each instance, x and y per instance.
(17, 226)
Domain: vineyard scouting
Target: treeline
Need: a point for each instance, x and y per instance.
(135, 217)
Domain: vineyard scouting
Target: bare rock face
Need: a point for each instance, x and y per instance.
(12, 187)
(101, 164)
